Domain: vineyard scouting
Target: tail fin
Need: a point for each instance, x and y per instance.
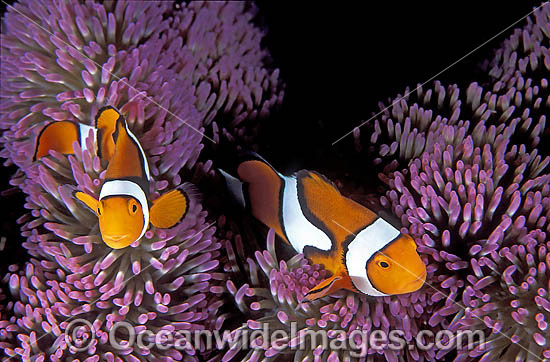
(235, 187)
(60, 136)
(258, 188)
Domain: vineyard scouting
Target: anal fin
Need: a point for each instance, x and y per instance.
(326, 287)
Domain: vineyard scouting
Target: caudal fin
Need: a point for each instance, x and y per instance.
(60, 136)
(258, 187)
(235, 188)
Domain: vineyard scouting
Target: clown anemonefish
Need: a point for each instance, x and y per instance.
(363, 252)
(123, 208)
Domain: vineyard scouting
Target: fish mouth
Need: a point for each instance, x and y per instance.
(115, 237)
(421, 278)
(415, 284)
(116, 241)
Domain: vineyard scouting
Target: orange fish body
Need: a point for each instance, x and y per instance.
(363, 252)
(123, 206)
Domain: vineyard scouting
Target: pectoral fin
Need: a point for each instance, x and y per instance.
(326, 287)
(168, 209)
(89, 200)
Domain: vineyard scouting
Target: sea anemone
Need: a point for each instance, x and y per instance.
(165, 281)
(272, 299)
(459, 194)
(478, 203)
(462, 199)
(468, 201)
(464, 174)
(516, 90)
(171, 71)
(507, 296)
(7, 320)
(464, 203)
(410, 126)
(217, 45)
(416, 121)
(525, 52)
(518, 79)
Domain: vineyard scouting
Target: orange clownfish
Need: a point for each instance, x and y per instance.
(363, 252)
(123, 207)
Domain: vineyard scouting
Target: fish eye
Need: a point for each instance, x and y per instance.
(383, 264)
(132, 206)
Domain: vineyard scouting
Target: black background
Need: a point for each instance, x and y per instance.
(338, 61)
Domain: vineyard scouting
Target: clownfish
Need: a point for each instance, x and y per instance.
(363, 252)
(123, 208)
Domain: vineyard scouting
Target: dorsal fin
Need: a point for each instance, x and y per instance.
(244, 156)
(325, 207)
(129, 160)
(105, 123)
